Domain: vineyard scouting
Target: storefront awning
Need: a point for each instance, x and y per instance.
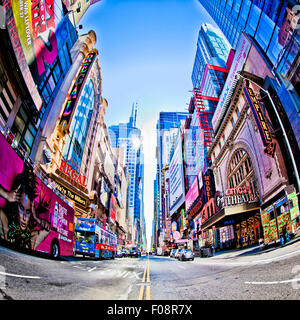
(230, 211)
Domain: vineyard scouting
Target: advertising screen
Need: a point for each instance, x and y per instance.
(32, 216)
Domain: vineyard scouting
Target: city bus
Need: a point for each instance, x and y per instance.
(93, 240)
(33, 217)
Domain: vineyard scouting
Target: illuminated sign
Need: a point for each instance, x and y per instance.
(72, 195)
(72, 173)
(208, 183)
(238, 190)
(236, 199)
(261, 122)
(70, 105)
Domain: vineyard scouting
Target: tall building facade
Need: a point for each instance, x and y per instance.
(272, 27)
(128, 137)
(167, 128)
(211, 66)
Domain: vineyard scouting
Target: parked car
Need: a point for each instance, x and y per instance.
(119, 254)
(178, 251)
(186, 254)
(172, 253)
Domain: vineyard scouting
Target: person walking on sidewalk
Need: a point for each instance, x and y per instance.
(241, 240)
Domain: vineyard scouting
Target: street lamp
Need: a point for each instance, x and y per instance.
(281, 126)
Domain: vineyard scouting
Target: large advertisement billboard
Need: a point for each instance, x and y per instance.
(239, 59)
(32, 216)
(176, 178)
(192, 195)
(38, 31)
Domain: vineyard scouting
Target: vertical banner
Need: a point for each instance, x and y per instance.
(113, 208)
(261, 122)
(12, 25)
(73, 97)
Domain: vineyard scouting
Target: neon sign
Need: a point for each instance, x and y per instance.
(72, 173)
(69, 109)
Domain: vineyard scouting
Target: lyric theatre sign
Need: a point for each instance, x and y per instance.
(235, 196)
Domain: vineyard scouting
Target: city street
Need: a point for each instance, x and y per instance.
(236, 275)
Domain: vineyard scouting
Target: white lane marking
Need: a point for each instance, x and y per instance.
(92, 269)
(272, 282)
(19, 276)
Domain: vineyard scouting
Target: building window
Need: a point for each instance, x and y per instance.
(232, 122)
(241, 171)
(24, 129)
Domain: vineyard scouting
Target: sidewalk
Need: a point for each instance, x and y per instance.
(255, 252)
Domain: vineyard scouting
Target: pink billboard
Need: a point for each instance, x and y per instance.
(32, 216)
(192, 194)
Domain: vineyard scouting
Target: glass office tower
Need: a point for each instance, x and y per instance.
(128, 137)
(212, 49)
(271, 23)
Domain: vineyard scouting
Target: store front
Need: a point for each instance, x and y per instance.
(231, 222)
(281, 217)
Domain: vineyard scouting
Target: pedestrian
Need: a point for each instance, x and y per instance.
(241, 240)
(284, 233)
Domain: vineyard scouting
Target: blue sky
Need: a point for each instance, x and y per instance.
(146, 55)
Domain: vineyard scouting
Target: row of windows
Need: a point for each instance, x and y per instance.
(261, 20)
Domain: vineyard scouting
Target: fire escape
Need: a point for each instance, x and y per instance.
(204, 127)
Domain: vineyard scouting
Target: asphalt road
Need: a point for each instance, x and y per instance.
(269, 276)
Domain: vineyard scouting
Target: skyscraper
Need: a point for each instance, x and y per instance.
(212, 49)
(272, 29)
(128, 137)
(167, 130)
(211, 66)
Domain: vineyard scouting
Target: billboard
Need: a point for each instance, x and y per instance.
(39, 32)
(12, 28)
(239, 59)
(104, 193)
(192, 194)
(113, 208)
(176, 178)
(32, 216)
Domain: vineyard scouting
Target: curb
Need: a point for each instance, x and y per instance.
(259, 250)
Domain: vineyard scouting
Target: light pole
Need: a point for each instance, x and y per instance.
(281, 126)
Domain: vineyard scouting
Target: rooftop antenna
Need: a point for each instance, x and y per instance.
(134, 123)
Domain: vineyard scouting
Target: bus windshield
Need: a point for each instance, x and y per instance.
(85, 237)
